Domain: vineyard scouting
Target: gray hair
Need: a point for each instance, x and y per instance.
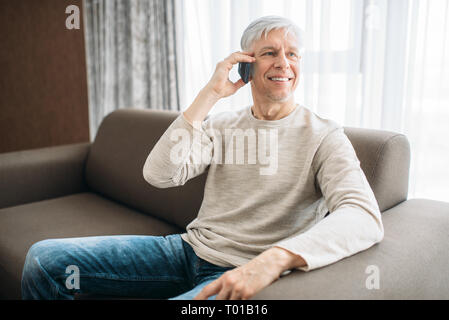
(264, 25)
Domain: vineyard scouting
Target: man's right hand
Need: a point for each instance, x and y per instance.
(219, 84)
(218, 87)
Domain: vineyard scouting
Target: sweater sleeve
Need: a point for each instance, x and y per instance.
(182, 153)
(354, 223)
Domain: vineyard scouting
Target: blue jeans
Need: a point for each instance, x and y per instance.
(153, 267)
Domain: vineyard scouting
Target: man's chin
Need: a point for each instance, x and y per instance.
(279, 98)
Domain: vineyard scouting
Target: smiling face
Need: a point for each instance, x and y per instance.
(276, 70)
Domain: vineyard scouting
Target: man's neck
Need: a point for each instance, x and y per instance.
(272, 111)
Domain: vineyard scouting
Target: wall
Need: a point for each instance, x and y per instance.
(43, 86)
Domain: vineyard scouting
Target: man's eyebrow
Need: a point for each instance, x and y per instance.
(273, 48)
(265, 48)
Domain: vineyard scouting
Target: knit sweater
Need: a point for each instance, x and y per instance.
(269, 183)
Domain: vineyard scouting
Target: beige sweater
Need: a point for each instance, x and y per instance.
(272, 190)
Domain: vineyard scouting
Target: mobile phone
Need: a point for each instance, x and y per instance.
(244, 71)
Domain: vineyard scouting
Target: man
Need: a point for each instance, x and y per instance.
(253, 225)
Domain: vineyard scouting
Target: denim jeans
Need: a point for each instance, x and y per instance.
(154, 267)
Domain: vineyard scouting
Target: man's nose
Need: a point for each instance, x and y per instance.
(281, 61)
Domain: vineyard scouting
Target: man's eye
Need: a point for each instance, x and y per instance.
(293, 54)
(267, 53)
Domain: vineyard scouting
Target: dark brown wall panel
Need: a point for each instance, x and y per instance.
(43, 86)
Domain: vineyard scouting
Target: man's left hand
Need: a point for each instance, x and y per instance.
(245, 281)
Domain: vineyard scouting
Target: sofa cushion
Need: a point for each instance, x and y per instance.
(77, 215)
(411, 261)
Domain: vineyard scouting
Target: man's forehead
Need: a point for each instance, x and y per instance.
(275, 40)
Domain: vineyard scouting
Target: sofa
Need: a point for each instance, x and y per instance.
(97, 188)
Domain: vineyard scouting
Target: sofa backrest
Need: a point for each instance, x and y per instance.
(126, 137)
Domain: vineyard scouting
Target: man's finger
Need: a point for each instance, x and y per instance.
(236, 295)
(209, 290)
(224, 293)
(249, 53)
(237, 57)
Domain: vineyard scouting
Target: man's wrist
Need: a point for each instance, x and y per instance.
(286, 260)
(210, 94)
(200, 107)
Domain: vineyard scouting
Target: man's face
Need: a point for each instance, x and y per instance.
(276, 57)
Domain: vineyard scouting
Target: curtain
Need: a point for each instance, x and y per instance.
(131, 56)
(368, 63)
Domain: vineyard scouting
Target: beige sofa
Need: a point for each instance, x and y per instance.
(97, 188)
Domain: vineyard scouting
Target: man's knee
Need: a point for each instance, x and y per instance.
(42, 272)
(41, 257)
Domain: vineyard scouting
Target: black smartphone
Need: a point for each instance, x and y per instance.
(244, 71)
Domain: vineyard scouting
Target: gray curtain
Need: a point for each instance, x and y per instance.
(131, 56)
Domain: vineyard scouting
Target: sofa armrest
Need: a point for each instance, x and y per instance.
(39, 174)
(385, 159)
